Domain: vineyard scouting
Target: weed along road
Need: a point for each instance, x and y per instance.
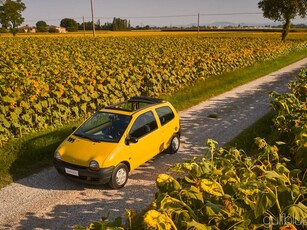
(49, 201)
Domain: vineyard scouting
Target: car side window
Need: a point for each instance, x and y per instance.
(165, 114)
(143, 125)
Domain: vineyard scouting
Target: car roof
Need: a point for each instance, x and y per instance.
(133, 105)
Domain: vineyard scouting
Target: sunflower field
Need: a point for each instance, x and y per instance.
(48, 81)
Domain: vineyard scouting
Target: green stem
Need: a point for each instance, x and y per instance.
(278, 205)
(304, 175)
(171, 221)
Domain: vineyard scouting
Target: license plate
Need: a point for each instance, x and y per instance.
(72, 172)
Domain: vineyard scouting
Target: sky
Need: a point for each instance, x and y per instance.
(148, 12)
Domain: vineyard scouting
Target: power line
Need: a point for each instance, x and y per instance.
(159, 16)
(227, 14)
(184, 15)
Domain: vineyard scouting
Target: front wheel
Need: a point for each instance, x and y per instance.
(175, 144)
(119, 176)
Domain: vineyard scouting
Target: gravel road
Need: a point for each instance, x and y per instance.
(49, 201)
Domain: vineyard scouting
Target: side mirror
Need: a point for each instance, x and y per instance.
(131, 139)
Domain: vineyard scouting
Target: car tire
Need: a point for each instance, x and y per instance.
(119, 176)
(174, 145)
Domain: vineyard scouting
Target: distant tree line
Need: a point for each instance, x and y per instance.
(123, 25)
(118, 24)
(72, 26)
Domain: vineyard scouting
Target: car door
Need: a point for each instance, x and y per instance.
(149, 141)
(168, 127)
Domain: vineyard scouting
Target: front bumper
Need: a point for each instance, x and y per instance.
(84, 174)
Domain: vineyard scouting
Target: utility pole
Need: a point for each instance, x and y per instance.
(198, 26)
(93, 23)
(83, 25)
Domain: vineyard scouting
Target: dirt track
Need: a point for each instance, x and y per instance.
(49, 201)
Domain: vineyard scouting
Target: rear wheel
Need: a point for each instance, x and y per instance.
(175, 144)
(119, 176)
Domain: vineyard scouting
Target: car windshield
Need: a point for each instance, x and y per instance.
(104, 127)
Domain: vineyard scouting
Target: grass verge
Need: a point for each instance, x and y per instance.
(29, 154)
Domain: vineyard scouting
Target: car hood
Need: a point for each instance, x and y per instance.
(79, 151)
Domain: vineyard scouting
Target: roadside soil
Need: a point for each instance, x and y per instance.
(49, 201)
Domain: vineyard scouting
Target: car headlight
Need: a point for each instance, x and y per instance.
(57, 156)
(94, 165)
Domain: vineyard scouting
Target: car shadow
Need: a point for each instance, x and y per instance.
(87, 210)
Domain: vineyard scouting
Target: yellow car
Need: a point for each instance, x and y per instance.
(117, 139)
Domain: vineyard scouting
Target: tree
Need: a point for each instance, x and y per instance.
(87, 25)
(70, 24)
(98, 25)
(120, 24)
(10, 14)
(283, 11)
(107, 26)
(41, 26)
(53, 29)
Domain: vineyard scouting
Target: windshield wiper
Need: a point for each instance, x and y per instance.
(86, 137)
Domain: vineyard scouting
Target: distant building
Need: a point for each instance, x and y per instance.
(58, 28)
(28, 29)
(55, 29)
